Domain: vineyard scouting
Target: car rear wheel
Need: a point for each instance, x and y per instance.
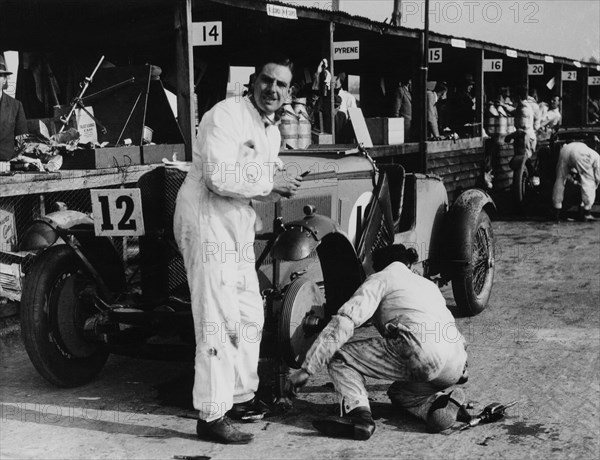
(53, 313)
(473, 286)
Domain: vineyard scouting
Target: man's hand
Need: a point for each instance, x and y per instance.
(294, 382)
(285, 184)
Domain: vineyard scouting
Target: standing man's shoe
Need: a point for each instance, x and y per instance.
(357, 424)
(222, 431)
(249, 411)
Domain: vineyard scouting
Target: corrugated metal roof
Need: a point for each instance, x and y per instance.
(384, 27)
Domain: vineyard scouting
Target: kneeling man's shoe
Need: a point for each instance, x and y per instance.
(357, 424)
(222, 431)
(446, 409)
(249, 411)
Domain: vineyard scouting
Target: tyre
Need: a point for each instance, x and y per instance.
(53, 314)
(473, 286)
(520, 186)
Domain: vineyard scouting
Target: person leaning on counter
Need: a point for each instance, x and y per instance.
(12, 117)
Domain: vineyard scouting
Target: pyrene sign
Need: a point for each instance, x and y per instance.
(346, 51)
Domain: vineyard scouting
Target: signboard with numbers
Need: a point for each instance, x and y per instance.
(569, 75)
(435, 55)
(117, 212)
(594, 80)
(207, 33)
(536, 69)
(492, 65)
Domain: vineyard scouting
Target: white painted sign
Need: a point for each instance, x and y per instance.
(207, 33)
(456, 43)
(569, 75)
(577, 64)
(536, 69)
(594, 81)
(279, 11)
(117, 212)
(511, 53)
(549, 59)
(435, 55)
(346, 51)
(86, 126)
(492, 65)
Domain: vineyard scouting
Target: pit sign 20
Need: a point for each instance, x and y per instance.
(117, 212)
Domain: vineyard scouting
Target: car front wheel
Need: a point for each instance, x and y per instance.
(473, 285)
(53, 312)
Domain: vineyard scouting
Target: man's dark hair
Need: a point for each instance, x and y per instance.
(440, 87)
(275, 58)
(395, 253)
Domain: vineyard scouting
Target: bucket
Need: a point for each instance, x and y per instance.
(304, 132)
(288, 127)
(492, 125)
(511, 125)
(502, 126)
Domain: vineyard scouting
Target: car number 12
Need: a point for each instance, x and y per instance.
(117, 212)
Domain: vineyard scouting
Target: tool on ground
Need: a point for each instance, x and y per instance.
(490, 413)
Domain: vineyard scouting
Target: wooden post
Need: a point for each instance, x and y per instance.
(332, 70)
(585, 95)
(424, 74)
(184, 60)
(479, 102)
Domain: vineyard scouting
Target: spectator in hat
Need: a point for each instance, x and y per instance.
(461, 109)
(405, 308)
(13, 123)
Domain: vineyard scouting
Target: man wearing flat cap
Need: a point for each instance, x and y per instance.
(12, 117)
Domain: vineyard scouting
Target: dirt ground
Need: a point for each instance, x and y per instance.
(537, 343)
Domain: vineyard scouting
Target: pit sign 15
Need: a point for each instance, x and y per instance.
(117, 212)
(435, 55)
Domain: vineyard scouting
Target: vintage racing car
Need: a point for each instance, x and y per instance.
(533, 180)
(82, 301)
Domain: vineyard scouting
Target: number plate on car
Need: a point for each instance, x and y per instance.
(117, 212)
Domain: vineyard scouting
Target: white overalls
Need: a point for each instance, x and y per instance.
(234, 159)
(587, 163)
(426, 355)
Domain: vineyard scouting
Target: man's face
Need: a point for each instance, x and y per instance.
(3, 82)
(272, 87)
(555, 102)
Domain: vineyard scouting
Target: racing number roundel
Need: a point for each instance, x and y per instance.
(357, 215)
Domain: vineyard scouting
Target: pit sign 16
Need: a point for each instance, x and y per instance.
(117, 212)
(492, 65)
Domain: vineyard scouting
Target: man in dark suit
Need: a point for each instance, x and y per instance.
(12, 117)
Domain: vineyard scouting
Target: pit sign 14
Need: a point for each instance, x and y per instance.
(117, 212)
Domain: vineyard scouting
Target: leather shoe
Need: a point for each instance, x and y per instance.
(222, 431)
(249, 411)
(357, 424)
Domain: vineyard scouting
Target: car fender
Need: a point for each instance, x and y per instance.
(341, 267)
(461, 220)
(98, 254)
